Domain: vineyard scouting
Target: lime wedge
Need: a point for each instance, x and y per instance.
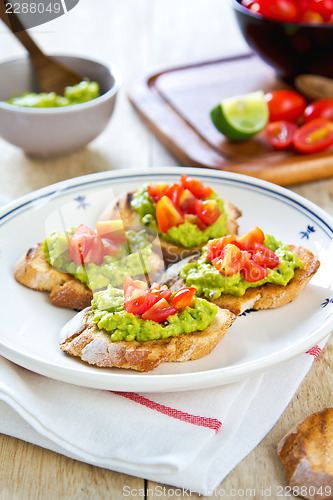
(241, 117)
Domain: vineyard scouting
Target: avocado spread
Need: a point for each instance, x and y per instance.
(186, 234)
(212, 284)
(82, 92)
(108, 313)
(131, 260)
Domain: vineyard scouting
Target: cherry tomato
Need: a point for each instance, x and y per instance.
(314, 136)
(207, 211)
(232, 260)
(280, 134)
(187, 202)
(322, 7)
(285, 105)
(311, 17)
(196, 187)
(160, 291)
(183, 297)
(160, 311)
(167, 214)
(80, 243)
(279, 10)
(215, 247)
(248, 240)
(253, 272)
(265, 256)
(322, 108)
(173, 192)
(156, 191)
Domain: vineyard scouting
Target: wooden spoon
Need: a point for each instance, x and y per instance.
(314, 86)
(52, 76)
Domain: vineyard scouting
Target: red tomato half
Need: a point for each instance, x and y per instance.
(196, 187)
(160, 311)
(314, 136)
(280, 134)
(265, 256)
(248, 240)
(207, 211)
(280, 10)
(183, 298)
(285, 105)
(322, 108)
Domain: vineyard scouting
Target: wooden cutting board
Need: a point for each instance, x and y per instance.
(175, 104)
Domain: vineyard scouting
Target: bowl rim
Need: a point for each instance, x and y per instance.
(245, 10)
(72, 108)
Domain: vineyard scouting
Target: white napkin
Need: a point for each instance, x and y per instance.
(190, 440)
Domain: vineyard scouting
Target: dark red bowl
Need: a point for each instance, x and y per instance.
(290, 48)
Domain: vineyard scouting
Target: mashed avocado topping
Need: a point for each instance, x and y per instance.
(210, 283)
(108, 313)
(186, 234)
(132, 260)
(77, 94)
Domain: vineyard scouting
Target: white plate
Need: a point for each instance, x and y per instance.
(30, 325)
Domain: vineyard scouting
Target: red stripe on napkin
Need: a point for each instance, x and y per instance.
(211, 423)
(314, 351)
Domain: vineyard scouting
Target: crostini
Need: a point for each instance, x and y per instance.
(185, 215)
(253, 271)
(140, 328)
(72, 265)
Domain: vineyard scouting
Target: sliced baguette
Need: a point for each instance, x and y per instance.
(81, 337)
(33, 271)
(306, 453)
(268, 296)
(121, 208)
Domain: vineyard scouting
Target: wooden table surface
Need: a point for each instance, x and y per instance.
(137, 35)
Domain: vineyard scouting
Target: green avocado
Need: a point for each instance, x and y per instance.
(108, 313)
(186, 234)
(77, 94)
(210, 283)
(132, 260)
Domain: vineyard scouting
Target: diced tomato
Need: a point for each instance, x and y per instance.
(110, 247)
(112, 230)
(280, 134)
(139, 301)
(156, 191)
(314, 136)
(96, 254)
(160, 311)
(232, 260)
(167, 214)
(160, 291)
(248, 239)
(196, 187)
(215, 247)
(183, 297)
(207, 211)
(131, 284)
(253, 272)
(174, 192)
(80, 243)
(321, 108)
(265, 256)
(285, 105)
(187, 202)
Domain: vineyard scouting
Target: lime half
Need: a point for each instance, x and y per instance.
(241, 117)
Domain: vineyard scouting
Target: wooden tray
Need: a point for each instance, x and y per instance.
(175, 105)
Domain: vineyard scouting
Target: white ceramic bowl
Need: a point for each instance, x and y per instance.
(47, 132)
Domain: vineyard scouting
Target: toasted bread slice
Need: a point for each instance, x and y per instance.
(33, 271)
(81, 337)
(171, 251)
(306, 453)
(268, 296)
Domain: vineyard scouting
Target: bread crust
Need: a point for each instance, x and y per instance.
(34, 271)
(121, 208)
(306, 454)
(81, 337)
(268, 296)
